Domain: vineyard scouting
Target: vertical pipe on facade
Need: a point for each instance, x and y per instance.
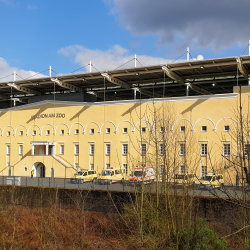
(249, 54)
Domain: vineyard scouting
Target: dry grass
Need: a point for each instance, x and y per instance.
(70, 228)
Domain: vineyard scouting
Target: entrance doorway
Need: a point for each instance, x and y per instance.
(39, 170)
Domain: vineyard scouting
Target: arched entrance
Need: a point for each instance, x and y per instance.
(39, 169)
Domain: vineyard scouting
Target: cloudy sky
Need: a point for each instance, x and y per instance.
(69, 34)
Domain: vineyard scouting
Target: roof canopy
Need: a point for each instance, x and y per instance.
(212, 76)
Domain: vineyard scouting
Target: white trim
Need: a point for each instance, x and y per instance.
(91, 142)
(203, 140)
(124, 141)
(107, 141)
(76, 142)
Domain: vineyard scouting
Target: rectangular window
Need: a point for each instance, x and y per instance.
(125, 130)
(76, 149)
(92, 131)
(107, 166)
(182, 149)
(162, 129)
(203, 149)
(143, 130)
(182, 129)
(47, 132)
(62, 132)
(61, 149)
(203, 170)
(76, 131)
(107, 149)
(8, 150)
(20, 133)
(20, 149)
(161, 169)
(226, 128)
(143, 149)
(182, 169)
(34, 132)
(203, 128)
(91, 149)
(124, 149)
(226, 149)
(34, 149)
(107, 130)
(126, 168)
(161, 149)
(247, 150)
(8, 133)
(91, 166)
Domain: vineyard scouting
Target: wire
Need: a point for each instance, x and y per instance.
(78, 69)
(6, 76)
(245, 50)
(35, 74)
(190, 55)
(139, 62)
(124, 64)
(96, 68)
(180, 56)
(54, 71)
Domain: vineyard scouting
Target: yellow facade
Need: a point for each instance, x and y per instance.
(56, 138)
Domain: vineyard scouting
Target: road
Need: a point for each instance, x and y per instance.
(227, 191)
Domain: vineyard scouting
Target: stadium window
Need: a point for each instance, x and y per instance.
(33, 132)
(61, 149)
(124, 149)
(143, 130)
(107, 149)
(91, 149)
(126, 168)
(203, 149)
(47, 132)
(226, 149)
(76, 131)
(107, 130)
(62, 132)
(20, 149)
(125, 130)
(76, 149)
(8, 150)
(182, 169)
(20, 133)
(8, 133)
(143, 149)
(203, 128)
(226, 128)
(182, 129)
(182, 149)
(203, 170)
(92, 131)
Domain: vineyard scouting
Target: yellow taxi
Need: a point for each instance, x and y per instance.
(84, 175)
(110, 175)
(183, 179)
(211, 181)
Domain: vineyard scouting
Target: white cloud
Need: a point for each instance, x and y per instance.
(7, 72)
(183, 23)
(109, 59)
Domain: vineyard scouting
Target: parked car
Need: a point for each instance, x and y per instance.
(140, 174)
(211, 181)
(110, 175)
(84, 175)
(183, 179)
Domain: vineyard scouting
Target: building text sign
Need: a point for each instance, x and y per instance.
(52, 115)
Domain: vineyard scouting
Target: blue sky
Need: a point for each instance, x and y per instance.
(68, 34)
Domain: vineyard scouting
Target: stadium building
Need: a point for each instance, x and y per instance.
(179, 117)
